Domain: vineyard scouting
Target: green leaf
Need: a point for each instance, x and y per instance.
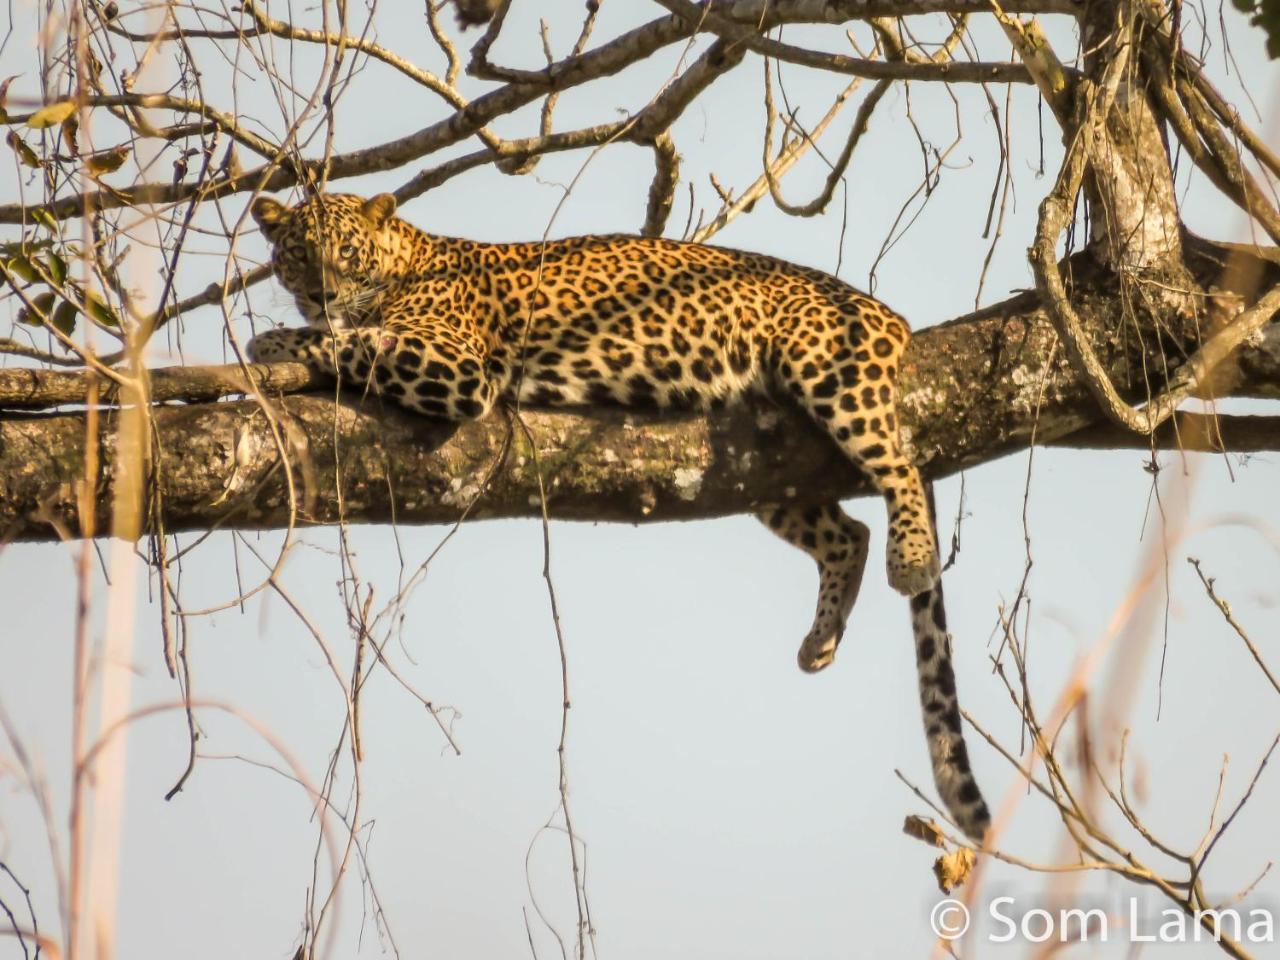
(99, 312)
(64, 318)
(45, 219)
(42, 304)
(1265, 16)
(52, 115)
(57, 268)
(21, 267)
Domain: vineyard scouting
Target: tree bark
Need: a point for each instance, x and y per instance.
(973, 389)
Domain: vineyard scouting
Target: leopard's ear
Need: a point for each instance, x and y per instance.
(269, 215)
(380, 209)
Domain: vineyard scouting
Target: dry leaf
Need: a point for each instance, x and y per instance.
(952, 869)
(4, 96)
(70, 131)
(924, 829)
(108, 161)
(25, 153)
(51, 115)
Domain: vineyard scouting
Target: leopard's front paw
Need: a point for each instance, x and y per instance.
(275, 346)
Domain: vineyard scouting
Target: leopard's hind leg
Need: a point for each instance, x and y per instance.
(838, 545)
(854, 398)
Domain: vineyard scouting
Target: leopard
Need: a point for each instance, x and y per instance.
(450, 327)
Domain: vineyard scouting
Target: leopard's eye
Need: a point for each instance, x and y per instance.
(297, 252)
(346, 251)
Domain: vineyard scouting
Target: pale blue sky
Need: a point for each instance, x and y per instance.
(732, 807)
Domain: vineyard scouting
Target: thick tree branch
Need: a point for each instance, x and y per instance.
(973, 389)
(25, 388)
(1196, 432)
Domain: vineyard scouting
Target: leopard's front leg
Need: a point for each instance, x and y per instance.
(430, 368)
(292, 344)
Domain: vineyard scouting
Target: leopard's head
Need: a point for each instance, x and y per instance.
(332, 252)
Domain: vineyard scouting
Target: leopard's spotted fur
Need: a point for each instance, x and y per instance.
(447, 326)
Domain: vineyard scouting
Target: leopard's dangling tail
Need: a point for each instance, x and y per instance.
(941, 708)
(940, 705)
